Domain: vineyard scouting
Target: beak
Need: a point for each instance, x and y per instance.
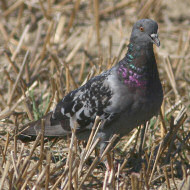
(155, 39)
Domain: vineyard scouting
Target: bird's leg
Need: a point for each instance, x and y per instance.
(108, 158)
(97, 152)
(138, 162)
(109, 162)
(142, 139)
(110, 171)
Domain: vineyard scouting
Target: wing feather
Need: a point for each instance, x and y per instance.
(84, 104)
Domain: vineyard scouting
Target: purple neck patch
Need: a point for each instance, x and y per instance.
(131, 78)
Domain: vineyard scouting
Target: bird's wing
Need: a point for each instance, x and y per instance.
(98, 97)
(81, 106)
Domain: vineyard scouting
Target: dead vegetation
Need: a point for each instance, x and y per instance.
(48, 48)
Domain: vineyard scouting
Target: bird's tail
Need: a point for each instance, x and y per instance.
(51, 129)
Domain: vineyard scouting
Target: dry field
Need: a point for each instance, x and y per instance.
(48, 48)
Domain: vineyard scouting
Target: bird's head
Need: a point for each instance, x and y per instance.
(145, 31)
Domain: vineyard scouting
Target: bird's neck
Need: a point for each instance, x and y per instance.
(138, 66)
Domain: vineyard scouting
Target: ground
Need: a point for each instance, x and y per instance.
(48, 48)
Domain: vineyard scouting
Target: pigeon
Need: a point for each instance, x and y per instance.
(123, 97)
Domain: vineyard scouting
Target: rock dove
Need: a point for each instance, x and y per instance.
(124, 97)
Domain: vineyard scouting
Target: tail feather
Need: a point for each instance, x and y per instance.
(52, 129)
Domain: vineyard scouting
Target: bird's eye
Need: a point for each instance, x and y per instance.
(141, 29)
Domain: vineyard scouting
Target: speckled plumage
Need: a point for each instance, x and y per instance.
(125, 96)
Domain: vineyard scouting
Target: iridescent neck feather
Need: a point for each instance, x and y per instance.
(131, 70)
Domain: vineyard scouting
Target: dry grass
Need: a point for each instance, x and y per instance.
(50, 47)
